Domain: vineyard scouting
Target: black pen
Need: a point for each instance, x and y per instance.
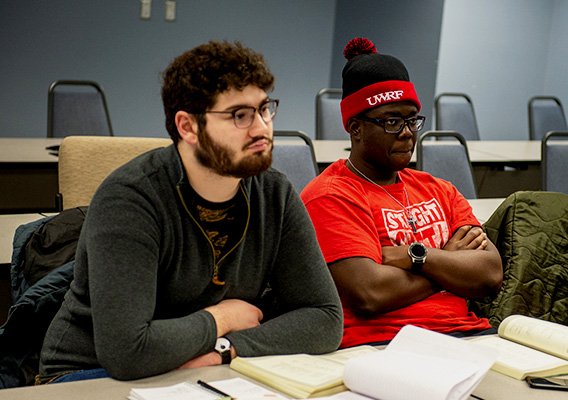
(208, 386)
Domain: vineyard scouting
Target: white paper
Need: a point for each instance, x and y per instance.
(346, 396)
(180, 391)
(242, 389)
(420, 364)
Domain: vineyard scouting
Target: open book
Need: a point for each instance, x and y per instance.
(301, 375)
(529, 347)
(420, 364)
(416, 364)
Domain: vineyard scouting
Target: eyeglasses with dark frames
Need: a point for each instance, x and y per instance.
(396, 124)
(243, 117)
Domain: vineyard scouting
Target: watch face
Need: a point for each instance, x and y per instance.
(222, 344)
(418, 250)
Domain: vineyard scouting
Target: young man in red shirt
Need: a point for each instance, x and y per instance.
(402, 246)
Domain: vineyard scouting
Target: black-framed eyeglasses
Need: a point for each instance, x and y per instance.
(396, 124)
(243, 117)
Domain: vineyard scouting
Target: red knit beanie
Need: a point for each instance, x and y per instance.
(371, 79)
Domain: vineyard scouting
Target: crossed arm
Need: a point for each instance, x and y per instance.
(469, 265)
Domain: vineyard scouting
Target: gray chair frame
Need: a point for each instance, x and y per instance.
(548, 156)
(322, 95)
(532, 107)
(75, 84)
(441, 126)
(467, 189)
(299, 185)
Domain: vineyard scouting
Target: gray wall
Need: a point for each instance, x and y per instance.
(556, 78)
(406, 29)
(105, 41)
(501, 52)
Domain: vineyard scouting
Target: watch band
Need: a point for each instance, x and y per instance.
(416, 268)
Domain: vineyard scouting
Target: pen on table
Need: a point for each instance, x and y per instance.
(208, 386)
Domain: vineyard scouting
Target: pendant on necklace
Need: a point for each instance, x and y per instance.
(412, 222)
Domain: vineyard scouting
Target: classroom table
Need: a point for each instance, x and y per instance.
(483, 208)
(8, 225)
(522, 151)
(28, 171)
(28, 175)
(500, 167)
(33, 150)
(494, 386)
(480, 151)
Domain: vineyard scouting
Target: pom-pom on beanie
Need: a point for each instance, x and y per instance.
(371, 79)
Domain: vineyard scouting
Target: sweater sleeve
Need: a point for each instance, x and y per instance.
(311, 319)
(124, 233)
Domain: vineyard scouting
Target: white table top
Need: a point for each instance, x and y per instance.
(327, 151)
(13, 150)
(483, 208)
(506, 150)
(109, 389)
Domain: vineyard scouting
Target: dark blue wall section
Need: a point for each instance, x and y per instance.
(106, 41)
(406, 29)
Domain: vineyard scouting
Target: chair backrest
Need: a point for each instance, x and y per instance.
(295, 158)
(545, 114)
(446, 159)
(454, 112)
(85, 161)
(329, 125)
(555, 162)
(77, 108)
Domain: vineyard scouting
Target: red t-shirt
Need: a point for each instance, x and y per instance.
(355, 218)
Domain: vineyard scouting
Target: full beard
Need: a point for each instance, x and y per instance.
(219, 158)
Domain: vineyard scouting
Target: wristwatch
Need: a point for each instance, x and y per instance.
(417, 252)
(223, 347)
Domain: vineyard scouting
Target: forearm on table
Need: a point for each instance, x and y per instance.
(312, 330)
(145, 349)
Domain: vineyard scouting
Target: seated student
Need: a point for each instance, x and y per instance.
(402, 246)
(182, 245)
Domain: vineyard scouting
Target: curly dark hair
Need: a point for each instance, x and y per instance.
(193, 80)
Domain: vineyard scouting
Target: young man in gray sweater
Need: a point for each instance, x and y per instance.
(198, 252)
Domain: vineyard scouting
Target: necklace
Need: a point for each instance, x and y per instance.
(411, 221)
